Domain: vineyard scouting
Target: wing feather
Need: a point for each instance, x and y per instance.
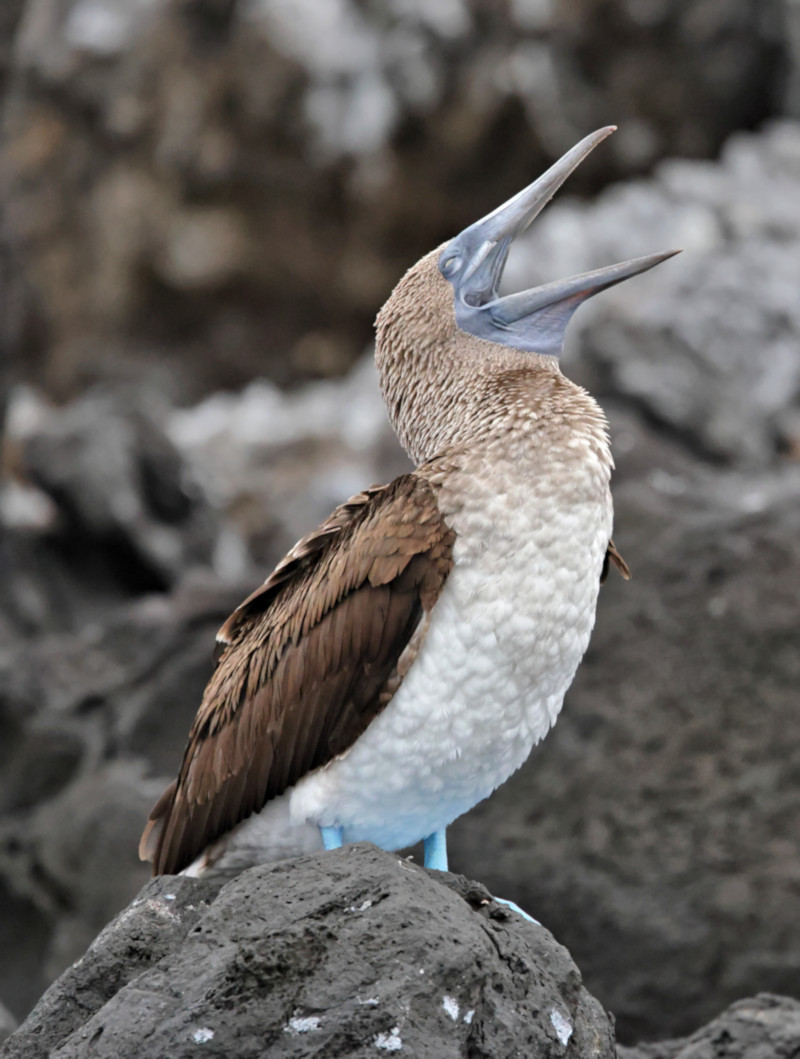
(305, 663)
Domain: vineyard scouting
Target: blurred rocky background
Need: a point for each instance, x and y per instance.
(204, 203)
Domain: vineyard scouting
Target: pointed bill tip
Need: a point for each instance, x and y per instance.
(602, 278)
(588, 143)
(569, 162)
(601, 134)
(643, 264)
(512, 218)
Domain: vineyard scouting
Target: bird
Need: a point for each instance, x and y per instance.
(401, 661)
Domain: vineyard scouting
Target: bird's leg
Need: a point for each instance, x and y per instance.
(436, 850)
(331, 837)
(436, 858)
(515, 908)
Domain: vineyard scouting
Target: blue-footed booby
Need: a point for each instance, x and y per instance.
(402, 660)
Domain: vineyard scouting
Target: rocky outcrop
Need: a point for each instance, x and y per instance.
(764, 1025)
(87, 719)
(350, 953)
(108, 498)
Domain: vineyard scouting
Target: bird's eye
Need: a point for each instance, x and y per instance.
(451, 265)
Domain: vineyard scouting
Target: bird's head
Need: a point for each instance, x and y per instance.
(450, 298)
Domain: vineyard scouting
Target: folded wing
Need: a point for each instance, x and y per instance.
(305, 664)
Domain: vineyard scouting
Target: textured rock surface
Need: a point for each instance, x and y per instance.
(78, 711)
(277, 463)
(239, 184)
(761, 1027)
(351, 953)
(148, 930)
(104, 486)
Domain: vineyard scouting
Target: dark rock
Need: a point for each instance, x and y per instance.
(10, 14)
(341, 954)
(120, 489)
(80, 714)
(75, 856)
(7, 1023)
(136, 940)
(24, 937)
(761, 1027)
(97, 506)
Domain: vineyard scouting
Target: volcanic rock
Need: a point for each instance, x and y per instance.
(340, 954)
(762, 1027)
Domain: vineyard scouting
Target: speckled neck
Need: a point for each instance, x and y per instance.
(446, 390)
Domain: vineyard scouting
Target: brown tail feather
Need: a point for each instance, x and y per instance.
(154, 828)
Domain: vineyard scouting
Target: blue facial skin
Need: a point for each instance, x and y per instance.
(479, 310)
(533, 321)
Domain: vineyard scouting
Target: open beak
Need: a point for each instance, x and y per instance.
(533, 320)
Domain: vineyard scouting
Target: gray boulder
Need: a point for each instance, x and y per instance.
(762, 1027)
(97, 505)
(350, 953)
(86, 719)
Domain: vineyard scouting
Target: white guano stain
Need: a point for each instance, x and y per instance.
(307, 1024)
(362, 907)
(389, 1042)
(451, 1007)
(203, 1035)
(562, 1026)
(469, 1016)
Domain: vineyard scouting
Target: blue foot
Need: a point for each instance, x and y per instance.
(515, 908)
(331, 837)
(436, 850)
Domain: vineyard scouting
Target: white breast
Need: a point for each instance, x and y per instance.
(505, 639)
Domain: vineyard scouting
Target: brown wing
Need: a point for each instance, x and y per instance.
(304, 662)
(613, 556)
